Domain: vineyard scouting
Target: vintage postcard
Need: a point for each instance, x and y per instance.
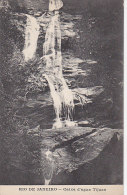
(61, 97)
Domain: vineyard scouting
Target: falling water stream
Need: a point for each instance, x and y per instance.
(31, 37)
(47, 166)
(62, 96)
(55, 5)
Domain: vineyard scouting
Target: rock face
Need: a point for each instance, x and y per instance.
(4, 3)
(72, 148)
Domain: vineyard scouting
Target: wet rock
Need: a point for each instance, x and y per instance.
(84, 123)
(87, 95)
(34, 131)
(82, 96)
(72, 148)
(4, 4)
(54, 138)
(67, 24)
(71, 66)
(90, 91)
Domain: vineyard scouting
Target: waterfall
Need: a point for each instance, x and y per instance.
(62, 96)
(55, 5)
(31, 37)
(48, 166)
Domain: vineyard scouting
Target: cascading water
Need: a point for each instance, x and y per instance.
(47, 165)
(62, 96)
(55, 5)
(31, 37)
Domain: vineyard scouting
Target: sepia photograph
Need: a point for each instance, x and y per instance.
(61, 92)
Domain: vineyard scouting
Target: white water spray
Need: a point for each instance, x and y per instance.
(31, 37)
(48, 171)
(62, 96)
(55, 5)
